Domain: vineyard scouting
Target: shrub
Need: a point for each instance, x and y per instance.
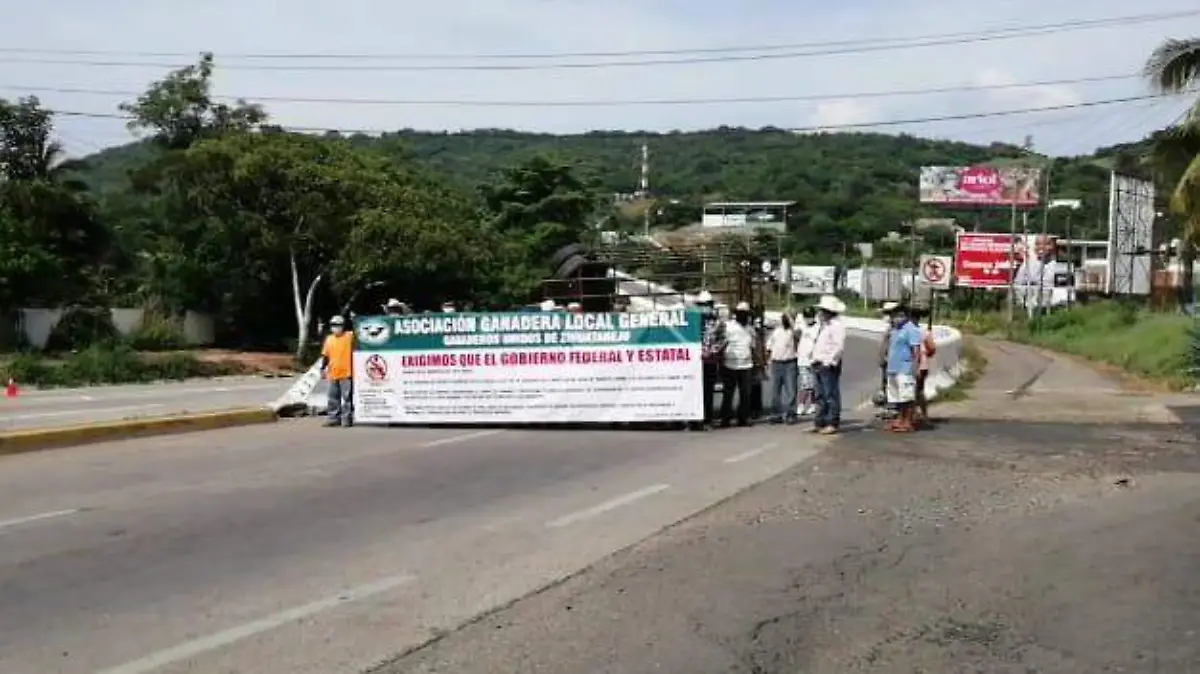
(28, 370)
(109, 363)
(157, 333)
(80, 328)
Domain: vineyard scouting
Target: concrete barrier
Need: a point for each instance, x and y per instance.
(68, 436)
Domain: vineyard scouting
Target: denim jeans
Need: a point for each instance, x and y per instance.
(829, 396)
(341, 402)
(784, 374)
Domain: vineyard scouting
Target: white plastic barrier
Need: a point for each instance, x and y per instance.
(947, 364)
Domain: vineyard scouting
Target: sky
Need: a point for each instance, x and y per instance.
(834, 84)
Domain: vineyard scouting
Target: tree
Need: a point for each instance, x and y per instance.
(1174, 68)
(52, 240)
(536, 208)
(179, 110)
(423, 241)
(28, 150)
(256, 209)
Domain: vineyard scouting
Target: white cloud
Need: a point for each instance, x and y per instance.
(842, 112)
(525, 26)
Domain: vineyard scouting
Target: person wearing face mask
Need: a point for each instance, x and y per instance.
(806, 339)
(903, 366)
(737, 367)
(337, 368)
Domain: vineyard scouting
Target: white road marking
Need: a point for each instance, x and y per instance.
(738, 458)
(611, 504)
(460, 438)
(212, 642)
(82, 411)
(4, 524)
(164, 391)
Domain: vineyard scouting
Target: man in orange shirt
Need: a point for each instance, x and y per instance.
(337, 366)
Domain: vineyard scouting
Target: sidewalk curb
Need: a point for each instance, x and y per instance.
(19, 442)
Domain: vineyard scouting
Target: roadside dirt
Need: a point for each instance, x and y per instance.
(248, 362)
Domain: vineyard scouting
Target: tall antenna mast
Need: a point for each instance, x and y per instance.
(644, 188)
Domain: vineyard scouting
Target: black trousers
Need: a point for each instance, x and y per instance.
(711, 375)
(741, 382)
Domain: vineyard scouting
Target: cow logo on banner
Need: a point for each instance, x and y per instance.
(374, 332)
(377, 368)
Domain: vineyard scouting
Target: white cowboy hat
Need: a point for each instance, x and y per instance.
(888, 307)
(742, 306)
(548, 305)
(394, 303)
(831, 304)
(704, 297)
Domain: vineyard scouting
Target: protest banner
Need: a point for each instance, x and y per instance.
(546, 367)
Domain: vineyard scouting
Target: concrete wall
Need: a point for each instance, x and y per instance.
(36, 324)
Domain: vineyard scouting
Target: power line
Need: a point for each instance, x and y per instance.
(994, 36)
(609, 103)
(802, 129)
(1076, 24)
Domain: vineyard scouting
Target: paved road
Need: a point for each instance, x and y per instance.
(983, 547)
(293, 548)
(69, 407)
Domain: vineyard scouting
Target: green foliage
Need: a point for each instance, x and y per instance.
(157, 332)
(106, 363)
(179, 109)
(1148, 344)
(80, 328)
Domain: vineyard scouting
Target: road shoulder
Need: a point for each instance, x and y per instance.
(995, 543)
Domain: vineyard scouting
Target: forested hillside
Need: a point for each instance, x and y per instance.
(861, 184)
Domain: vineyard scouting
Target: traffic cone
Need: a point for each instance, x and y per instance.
(11, 390)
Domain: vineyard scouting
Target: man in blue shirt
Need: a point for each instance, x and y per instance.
(903, 362)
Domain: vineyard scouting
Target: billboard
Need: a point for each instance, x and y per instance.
(1130, 235)
(542, 367)
(982, 261)
(813, 280)
(980, 186)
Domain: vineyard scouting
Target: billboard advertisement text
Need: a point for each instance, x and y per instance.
(979, 186)
(982, 260)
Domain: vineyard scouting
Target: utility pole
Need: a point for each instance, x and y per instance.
(1012, 246)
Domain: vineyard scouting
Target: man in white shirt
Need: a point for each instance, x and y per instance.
(781, 350)
(827, 364)
(806, 340)
(737, 367)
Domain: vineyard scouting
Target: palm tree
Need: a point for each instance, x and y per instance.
(1174, 68)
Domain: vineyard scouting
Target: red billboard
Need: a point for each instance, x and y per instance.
(982, 260)
(979, 186)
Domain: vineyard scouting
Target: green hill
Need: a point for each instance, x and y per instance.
(846, 181)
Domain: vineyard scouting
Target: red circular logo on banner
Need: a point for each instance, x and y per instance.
(377, 368)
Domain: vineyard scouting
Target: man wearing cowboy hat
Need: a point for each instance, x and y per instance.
(737, 366)
(827, 364)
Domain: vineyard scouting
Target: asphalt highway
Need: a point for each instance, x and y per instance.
(294, 548)
(71, 407)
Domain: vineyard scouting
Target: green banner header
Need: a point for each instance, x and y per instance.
(432, 332)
